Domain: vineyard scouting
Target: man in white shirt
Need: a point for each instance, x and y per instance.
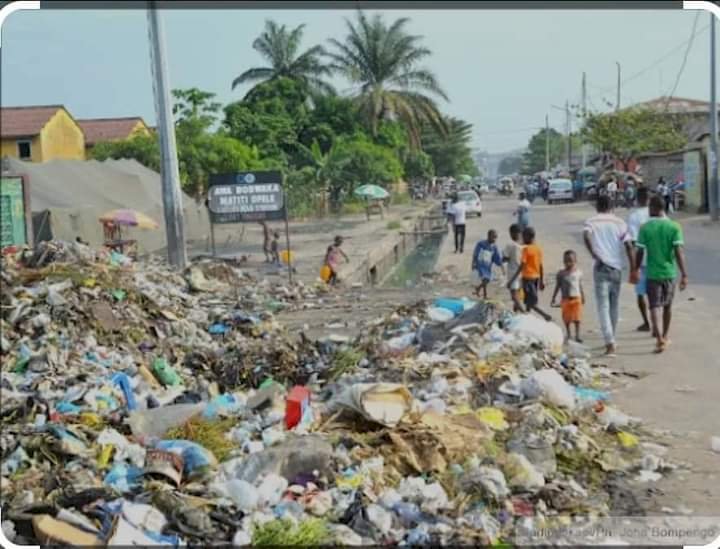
(637, 219)
(606, 235)
(458, 210)
(612, 189)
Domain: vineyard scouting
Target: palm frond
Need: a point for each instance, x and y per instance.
(253, 75)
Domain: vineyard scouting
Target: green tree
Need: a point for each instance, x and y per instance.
(510, 165)
(195, 104)
(143, 148)
(382, 60)
(450, 152)
(624, 134)
(280, 47)
(331, 116)
(418, 166)
(271, 120)
(534, 157)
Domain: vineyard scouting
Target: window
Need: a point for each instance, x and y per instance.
(24, 152)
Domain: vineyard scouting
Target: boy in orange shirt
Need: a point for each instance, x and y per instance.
(533, 276)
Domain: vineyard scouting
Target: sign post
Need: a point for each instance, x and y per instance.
(287, 239)
(249, 197)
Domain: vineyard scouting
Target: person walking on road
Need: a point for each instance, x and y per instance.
(661, 239)
(332, 259)
(485, 255)
(512, 254)
(532, 271)
(638, 217)
(569, 285)
(458, 211)
(266, 241)
(606, 235)
(523, 211)
(612, 191)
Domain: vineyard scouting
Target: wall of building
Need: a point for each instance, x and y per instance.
(9, 147)
(62, 138)
(139, 129)
(668, 166)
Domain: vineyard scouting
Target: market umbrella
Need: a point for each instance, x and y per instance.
(129, 218)
(371, 191)
(465, 178)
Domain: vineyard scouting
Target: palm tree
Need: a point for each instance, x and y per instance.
(383, 61)
(280, 47)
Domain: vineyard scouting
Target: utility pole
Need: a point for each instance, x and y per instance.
(169, 173)
(547, 144)
(617, 102)
(584, 115)
(714, 193)
(568, 130)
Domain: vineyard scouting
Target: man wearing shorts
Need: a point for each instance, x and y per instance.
(661, 239)
(637, 219)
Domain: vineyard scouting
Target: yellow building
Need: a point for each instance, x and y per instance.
(111, 129)
(40, 133)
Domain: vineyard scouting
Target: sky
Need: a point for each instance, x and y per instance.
(503, 70)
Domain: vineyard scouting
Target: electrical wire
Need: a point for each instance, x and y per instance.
(655, 63)
(684, 62)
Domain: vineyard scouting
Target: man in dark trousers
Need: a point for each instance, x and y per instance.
(661, 239)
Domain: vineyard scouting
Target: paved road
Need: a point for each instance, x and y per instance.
(680, 390)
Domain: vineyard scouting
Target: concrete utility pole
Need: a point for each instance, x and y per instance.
(547, 144)
(568, 125)
(169, 173)
(617, 103)
(714, 194)
(584, 114)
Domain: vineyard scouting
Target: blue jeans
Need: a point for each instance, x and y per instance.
(607, 297)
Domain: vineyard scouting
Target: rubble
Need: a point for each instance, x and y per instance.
(143, 406)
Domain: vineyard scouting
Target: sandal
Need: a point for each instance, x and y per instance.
(660, 347)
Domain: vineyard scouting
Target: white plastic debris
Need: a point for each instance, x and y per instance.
(523, 474)
(715, 444)
(271, 490)
(438, 314)
(554, 388)
(536, 329)
(379, 517)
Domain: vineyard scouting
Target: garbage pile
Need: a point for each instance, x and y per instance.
(145, 406)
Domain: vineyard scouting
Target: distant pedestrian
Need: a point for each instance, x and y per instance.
(532, 272)
(606, 235)
(458, 211)
(638, 217)
(332, 259)
(274, 248)
(512, 254)
(485, 255)
(664, 191)
(612, 191)
(523, 211)
(662, 240)
(569, 285)
(266, 241)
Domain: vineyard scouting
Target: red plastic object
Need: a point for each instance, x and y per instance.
(297, 402)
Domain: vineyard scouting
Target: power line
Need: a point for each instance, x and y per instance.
(654, 64)
(685, 58)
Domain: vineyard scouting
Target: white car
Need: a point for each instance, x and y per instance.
(472, 202)
(560, 190)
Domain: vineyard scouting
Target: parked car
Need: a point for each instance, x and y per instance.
(472, 202)
(560, 190)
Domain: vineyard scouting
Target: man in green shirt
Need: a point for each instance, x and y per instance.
(661, 239)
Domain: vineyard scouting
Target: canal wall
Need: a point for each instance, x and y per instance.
(390, 251)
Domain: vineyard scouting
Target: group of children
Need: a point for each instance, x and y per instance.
(526, 276)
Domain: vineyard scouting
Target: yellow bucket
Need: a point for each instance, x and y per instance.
(325, 273)
(286, 257)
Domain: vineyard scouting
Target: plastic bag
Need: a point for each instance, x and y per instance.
(157, 421)
(536, 329)
(440, 314)
(522, 474)
(554, 388)
(194, 456)
(165, 373)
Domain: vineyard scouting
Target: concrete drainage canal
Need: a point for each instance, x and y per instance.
(421, 261)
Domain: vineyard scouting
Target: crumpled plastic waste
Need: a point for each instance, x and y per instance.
(448, 422)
